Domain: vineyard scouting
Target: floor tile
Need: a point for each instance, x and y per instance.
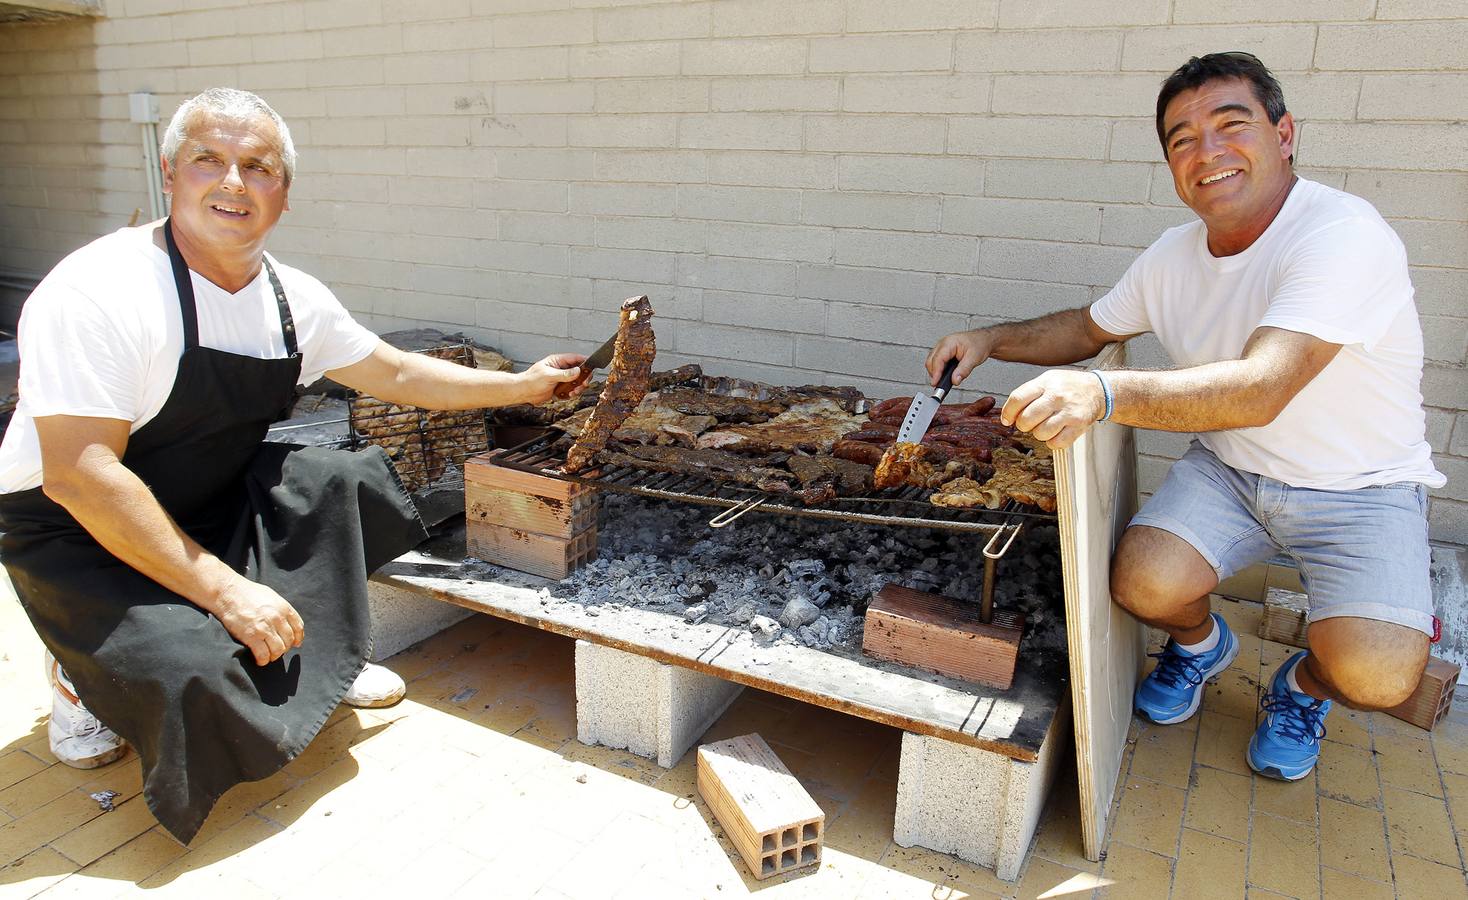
(1210, 867)
(35, 872)
(1222, 742)
(1418, 825)
(1421, 878)
(1283, 857)
(1150, 816)
(1408, 762)
(1218, 803)
(1334, 883)
(1164, 754)
(1353, 839)
(1348, 773)
(1286, 799)
(1131, 872)
(1043, 878)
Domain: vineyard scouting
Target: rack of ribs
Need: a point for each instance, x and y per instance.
(628, 379)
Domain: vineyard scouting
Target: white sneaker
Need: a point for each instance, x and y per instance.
(78, 738)
(376, 686)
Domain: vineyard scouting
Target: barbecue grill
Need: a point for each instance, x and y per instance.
(904, 507)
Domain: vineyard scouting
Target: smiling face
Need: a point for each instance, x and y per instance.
(1229, 163)
(228, 184)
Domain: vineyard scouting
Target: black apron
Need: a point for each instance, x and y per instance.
(309, 523)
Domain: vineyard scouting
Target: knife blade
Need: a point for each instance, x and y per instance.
(598, 359)
(924, 407)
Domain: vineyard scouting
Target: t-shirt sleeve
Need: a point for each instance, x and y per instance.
(76, 360)
(1345, 283)
(335, 339)
(1121, 311)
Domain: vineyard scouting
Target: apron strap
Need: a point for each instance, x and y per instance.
(187, 306)
(185, 287)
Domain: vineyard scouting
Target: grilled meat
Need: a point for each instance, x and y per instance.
(693, 402)
(814, 427)
(850, 479)
(628, 378)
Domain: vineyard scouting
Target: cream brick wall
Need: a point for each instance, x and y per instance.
(810, 191)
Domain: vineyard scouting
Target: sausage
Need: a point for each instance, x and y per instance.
(858, 451)
(874, 432)
(900, 404)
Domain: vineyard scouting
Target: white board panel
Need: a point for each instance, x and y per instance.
(1096, 486)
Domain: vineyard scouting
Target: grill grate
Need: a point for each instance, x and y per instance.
(905, 507)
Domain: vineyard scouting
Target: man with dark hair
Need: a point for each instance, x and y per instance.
(202, 592)
(1288, 312)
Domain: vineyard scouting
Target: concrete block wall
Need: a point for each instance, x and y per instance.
(810, 191)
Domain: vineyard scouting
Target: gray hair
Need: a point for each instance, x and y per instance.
(227, 103)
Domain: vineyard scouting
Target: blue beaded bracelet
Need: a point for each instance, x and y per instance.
(1105, 392)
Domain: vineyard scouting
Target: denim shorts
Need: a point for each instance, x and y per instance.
(1360, 553)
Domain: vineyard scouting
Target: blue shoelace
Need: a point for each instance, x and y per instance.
(1174, 669)
(1303, 724)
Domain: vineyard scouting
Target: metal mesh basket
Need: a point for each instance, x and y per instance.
(427, 447)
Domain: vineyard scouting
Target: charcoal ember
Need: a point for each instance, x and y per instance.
(745, 612)
(764, 627)
(801, 568)
(799, 611)
(696, 613)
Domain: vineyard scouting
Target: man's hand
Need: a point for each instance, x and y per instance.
(261, 619)
(540, 380)
(1056, 407)
(970, 348)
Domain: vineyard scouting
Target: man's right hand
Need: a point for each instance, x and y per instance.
(970, 348)
(261, 619)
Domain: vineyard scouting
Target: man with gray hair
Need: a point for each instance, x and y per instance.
(203, 591)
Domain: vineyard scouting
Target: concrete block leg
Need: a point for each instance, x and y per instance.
(978, 805)
(630, 702)
(401, 618)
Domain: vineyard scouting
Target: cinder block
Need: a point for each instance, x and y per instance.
(636, 233)
(979, 806)
(749, 17)
(846, 320)
(1005, 299)
(912, 174)
(761, 56)
(631, 60)
(1283, 46)
(790, 93)
(766, 814)
(666, 166)
(437, 37)
(1048, 50)
(1084, 15)
(1038, 219)
(622, 131)
(1093, 94)
(401, 618)
(1139, 226)
(623, 199)
(1063, 263)
(663, 22)
(1322, 96)
(770, 241)
(542, 196)
(1045, 179)
(544, 164)
(899, 212)
(895, 250)
(426, 68)
(775, 348)
(1405, 45)
(1385, 146)
(882, 53)
(763, 169)
(1036, 137)
(739, 204)
(519, 64)
(880, 15)
(916, 93)
(652, 95)
(732, 273)
(888, 287)
(739, 131)
(546, 228)
(629, 702)
(861, 358)
(1429, 195)
(636, 266)
(545, 97)
(875, 134)
(761, 311)
(544, 29)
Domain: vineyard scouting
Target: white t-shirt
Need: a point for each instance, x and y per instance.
(1328, 266)
(101, 336)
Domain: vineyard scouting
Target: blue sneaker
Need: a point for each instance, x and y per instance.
(1172, 692)
(1287, 742)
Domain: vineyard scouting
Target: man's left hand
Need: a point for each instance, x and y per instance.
(540, 379)
(1056, 407)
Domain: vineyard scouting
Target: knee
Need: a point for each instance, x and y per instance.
(1372, 678)
(1141, 590)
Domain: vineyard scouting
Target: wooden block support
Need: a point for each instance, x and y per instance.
(943, 635)
(1285, 614)
(768, 816)
(529, 522)
(1433, 697)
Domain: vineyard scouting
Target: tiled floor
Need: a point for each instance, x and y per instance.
(476, 787)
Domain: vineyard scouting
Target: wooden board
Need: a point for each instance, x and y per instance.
(479, 470)
(1433, 697)
(1096, 488)
(1012, 723)
(942, 635)
(768, 816)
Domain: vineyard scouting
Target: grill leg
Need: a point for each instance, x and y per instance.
(986, 602)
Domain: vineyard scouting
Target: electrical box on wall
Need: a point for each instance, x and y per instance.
(142, 108)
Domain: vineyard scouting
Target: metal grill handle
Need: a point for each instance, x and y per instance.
(729, 515)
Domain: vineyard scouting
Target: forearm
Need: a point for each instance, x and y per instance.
(1216, 396)
(1058, 339)
(438, 384)
(121, 513)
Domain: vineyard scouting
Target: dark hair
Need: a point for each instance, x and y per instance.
(1234, 64)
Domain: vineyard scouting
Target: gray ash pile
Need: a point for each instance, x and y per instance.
(790, 579)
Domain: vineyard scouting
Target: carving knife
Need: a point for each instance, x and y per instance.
(924, 407)
(597, 360)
